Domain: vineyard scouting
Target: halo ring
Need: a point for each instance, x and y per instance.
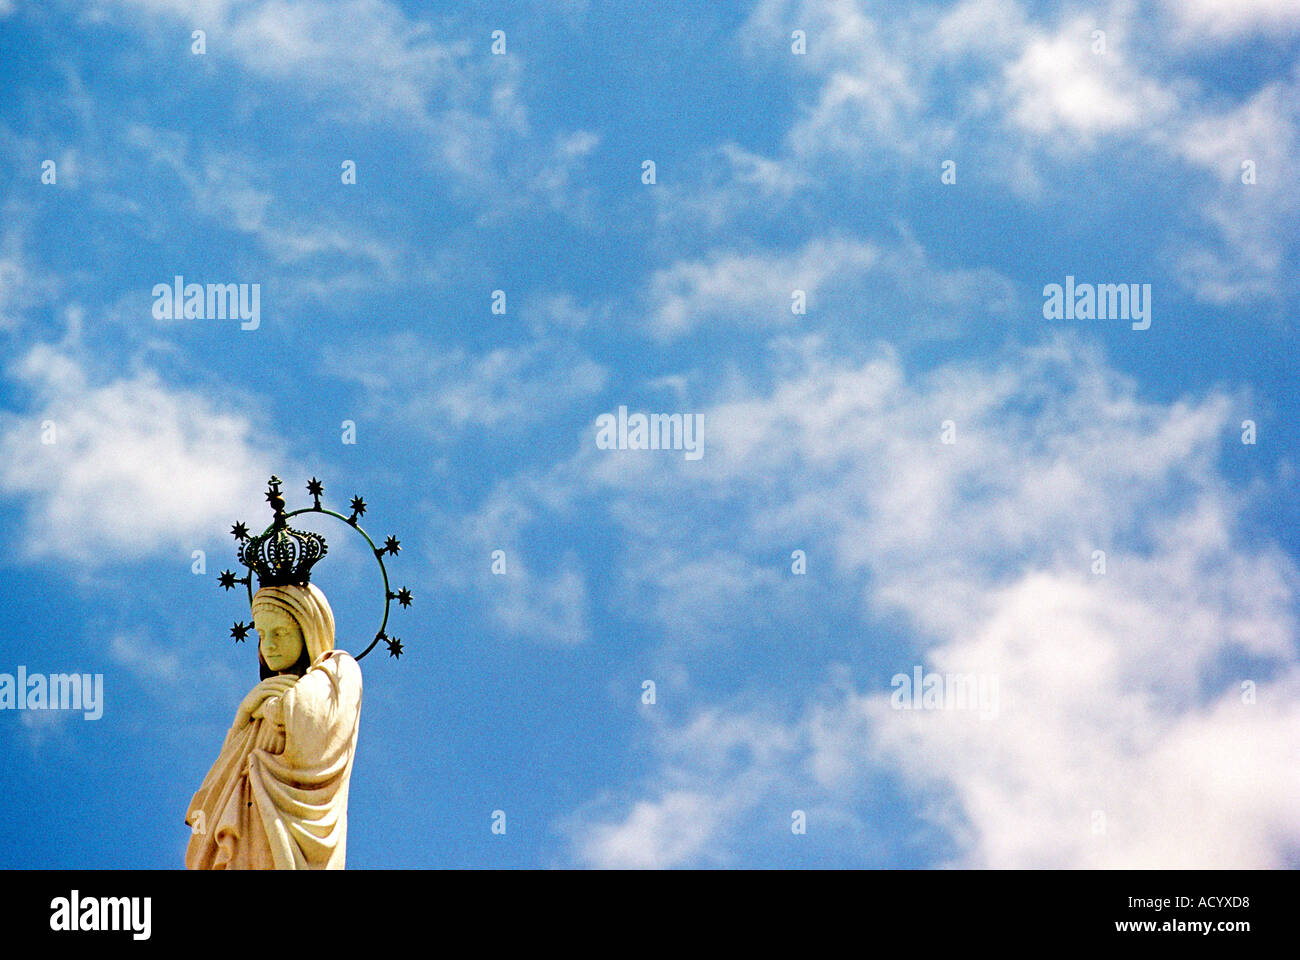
(377, 553)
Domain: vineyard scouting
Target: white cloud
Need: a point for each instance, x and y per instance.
(759, 175)
(13, 286)
(730, 182)
(1253, 221)
(891, 286)
(24, 281)
(562, 314)
(757, 286)
(399, 76)
(872, 83)
(149, 661)
(1220, 20)
(986, 27)
(366, 60)
(1016, 97)
(1103, 712)
(539, 596)
(885, 84)
(1058, 84)
(665, 832)
(225, 188)
(501, 395)
(1120, 692)
(715, 771)
(136, 467)
(449, 391)
(555, 175)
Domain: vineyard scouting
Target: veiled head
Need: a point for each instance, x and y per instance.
(295, 626)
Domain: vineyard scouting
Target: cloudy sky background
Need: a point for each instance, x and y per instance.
(1119, 693)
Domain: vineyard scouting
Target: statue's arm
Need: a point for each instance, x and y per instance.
(320, 712)
(270, 687)
(270, 735)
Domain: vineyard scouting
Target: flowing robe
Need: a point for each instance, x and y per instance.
(277, 796)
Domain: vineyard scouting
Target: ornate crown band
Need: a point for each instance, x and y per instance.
(281, 555)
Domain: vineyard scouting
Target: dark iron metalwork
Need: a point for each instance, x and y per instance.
(282, 555)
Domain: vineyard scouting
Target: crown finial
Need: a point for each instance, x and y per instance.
(276, 499)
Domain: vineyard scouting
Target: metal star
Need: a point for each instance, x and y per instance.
(239, 531)
(404, 597)
(226, 580)
(240, 630)
(315, 488)
(394, 647)
(392, 545)
(358, 509)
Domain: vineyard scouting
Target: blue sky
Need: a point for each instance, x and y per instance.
(1113, 159)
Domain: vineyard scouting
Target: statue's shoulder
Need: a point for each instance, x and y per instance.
(341, 663)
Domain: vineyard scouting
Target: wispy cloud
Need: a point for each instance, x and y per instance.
(986, 547)
(447, 392)
(888, 286)
(527, 589)
(1037, 93)
(152, 662)
(1225, 20)
(225, 188)
(123, 465)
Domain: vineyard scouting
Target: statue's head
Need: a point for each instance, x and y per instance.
(295, 626)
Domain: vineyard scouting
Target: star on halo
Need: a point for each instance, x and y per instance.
(240, 631)
(394, 647)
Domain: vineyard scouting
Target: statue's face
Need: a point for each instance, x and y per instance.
(280, 638)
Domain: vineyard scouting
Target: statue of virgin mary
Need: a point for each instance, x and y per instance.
(277, 796)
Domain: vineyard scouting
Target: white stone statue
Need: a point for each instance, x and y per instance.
(277, 796)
